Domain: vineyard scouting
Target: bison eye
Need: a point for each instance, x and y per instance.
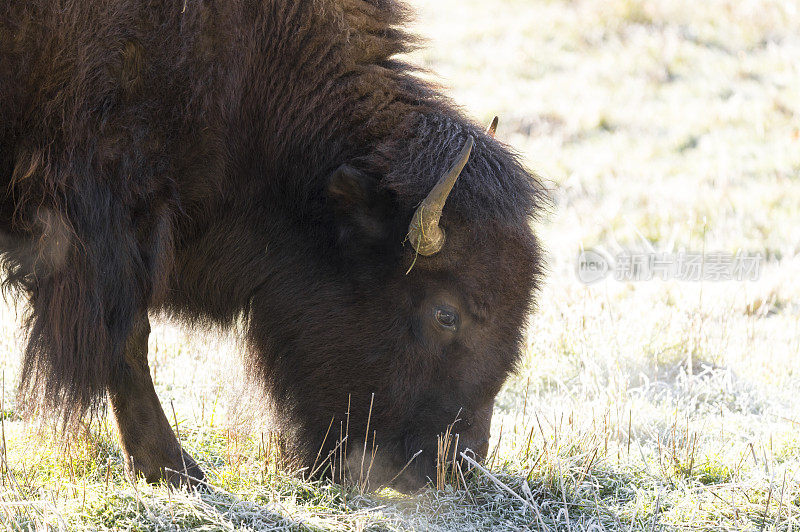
(447, 318)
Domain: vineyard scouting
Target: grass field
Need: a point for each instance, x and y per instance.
(663, 125)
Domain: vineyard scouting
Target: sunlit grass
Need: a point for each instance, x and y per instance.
(660, 405)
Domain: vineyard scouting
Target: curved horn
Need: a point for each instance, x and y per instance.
(424, 232)
(492, 129)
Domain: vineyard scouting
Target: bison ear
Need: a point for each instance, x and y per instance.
(349, 187)
(357, 205)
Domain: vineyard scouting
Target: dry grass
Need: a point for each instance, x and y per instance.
(659, 405)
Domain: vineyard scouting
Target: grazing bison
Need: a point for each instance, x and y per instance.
(271, 163)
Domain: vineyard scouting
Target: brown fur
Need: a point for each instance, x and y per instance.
(260, 159)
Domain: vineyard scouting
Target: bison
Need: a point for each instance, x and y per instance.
(273, 164)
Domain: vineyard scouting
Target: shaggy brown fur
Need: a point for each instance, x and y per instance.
(261, 159)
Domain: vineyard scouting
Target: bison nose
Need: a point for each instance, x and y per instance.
(478, 448)
(482, 448)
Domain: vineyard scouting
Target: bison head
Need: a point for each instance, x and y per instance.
(408, 319)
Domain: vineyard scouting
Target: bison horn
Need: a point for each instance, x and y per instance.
(424, 232)
(492, 129)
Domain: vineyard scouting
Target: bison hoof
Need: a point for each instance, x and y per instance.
(187, 475)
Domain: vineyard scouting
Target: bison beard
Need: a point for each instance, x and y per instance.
(271, 162)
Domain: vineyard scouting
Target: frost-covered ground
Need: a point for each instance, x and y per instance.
(661, 126)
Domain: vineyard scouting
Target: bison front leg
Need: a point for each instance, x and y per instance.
(148, 443)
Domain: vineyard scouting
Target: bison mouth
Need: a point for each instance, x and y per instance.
(411, 463)
(430, 460)
(407, 464)
(432, 465)
(407, 457)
